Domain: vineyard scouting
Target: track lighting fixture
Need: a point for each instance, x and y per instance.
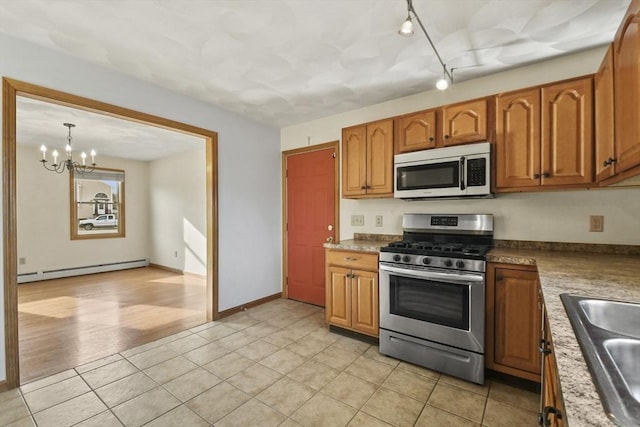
(406, 29)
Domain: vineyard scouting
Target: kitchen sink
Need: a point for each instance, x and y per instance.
(613, 316)
(609, 336)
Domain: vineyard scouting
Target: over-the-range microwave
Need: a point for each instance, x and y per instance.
(457, 171)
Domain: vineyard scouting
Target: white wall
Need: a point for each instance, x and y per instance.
(43, 217)
(248, 173)
(178, 221)
(549, 216)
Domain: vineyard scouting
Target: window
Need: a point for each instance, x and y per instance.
(97, 204)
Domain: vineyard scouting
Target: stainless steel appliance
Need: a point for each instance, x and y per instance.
(458, 171)
(432, 287)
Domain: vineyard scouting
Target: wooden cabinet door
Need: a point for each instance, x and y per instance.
(464, 123)
(354, 161)
(627, 89)
(567, 133)
(416, 132)
(604, 124)
(379, 174)
(517, 320)
(338, 301)
(518, 139)
(551, 396)
(364, 288)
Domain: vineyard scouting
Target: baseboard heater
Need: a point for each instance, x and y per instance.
(79, 271)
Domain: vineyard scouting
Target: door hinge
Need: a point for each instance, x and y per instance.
(286, 173)
(333, 155)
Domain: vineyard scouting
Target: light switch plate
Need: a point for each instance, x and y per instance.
(378, 220)
(357, 220)
(596, 223)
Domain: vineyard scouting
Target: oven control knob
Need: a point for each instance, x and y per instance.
(426, 261)
(459, 264)
(396, 258)
(448, 263)
(406, 258)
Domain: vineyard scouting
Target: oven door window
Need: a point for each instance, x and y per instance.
(431, 175)
(430, 301)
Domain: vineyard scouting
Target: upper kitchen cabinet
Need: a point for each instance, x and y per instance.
(517, 138)
(464, 123)
(455, 124)
(626, 66)
(544, 137)
(605, 165)
(567, 133)
(367, 168)
(416, 131)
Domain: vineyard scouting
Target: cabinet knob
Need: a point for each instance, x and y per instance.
(546, 175)
(431, 139)
(535, 176)
(447, 137)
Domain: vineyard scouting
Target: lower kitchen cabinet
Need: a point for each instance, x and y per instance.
(552, 406)
(352, 291)
(513, 320)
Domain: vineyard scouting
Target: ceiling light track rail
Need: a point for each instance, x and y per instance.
(406, 29)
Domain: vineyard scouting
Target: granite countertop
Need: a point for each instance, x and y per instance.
(364, 242)
(611, 276)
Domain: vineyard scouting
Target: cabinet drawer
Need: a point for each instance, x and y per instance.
(352, 259)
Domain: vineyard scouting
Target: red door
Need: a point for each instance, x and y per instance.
(310, 221)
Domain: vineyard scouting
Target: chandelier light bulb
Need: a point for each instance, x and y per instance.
(83, 156)
(442, 84)
(43, 148)
(406, 29)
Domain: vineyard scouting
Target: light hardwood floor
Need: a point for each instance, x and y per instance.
(64, 323)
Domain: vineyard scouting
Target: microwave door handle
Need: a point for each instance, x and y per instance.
(462, 179)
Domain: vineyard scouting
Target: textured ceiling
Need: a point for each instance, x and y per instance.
(284, 62)
(39, 123)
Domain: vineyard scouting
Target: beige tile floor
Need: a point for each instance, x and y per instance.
(276, 364)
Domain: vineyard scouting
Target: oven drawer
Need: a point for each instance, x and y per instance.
(353, 259)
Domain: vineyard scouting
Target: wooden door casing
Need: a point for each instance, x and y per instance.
(518, 139)
(567, 133)
(604, 122)
(627, 89)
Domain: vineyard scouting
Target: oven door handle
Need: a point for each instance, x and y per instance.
(456, 277)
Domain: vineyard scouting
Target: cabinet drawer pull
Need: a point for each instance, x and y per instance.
(543, 347)
(351, 258)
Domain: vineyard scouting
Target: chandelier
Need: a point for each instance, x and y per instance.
(406, 30)
(68, 163)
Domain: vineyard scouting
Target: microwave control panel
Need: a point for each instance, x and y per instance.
(476, 174)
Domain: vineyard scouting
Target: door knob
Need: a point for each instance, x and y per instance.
(329, 239)
(330, 227)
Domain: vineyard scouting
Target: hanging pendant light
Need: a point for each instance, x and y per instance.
(69, 164)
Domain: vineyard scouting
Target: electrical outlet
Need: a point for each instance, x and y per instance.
(357, 220)
(596, 223)
(378, 220)
(22, 260)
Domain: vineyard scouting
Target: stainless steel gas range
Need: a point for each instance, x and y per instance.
(432, 287)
